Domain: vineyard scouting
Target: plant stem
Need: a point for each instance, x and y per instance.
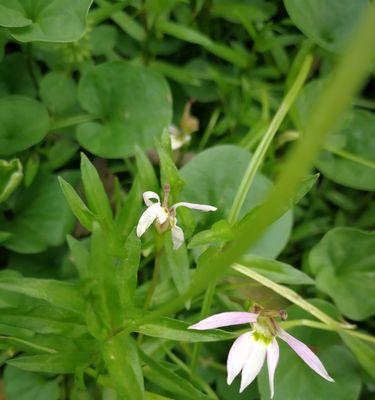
(263, 146)
(71, 121)
(350, 156)
(206, 306)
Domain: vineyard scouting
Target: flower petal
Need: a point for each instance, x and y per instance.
(272, 360)
(147, 218)
(150, 195)
(201, 207)
(305, 353)
(177, 237)
(225, 319)
(253, 364)
(238, 355)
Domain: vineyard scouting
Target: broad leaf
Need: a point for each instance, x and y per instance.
(133, 104)
(343, 263)
(42, 217)
(51, 21)
(213, 177)
(24, 122)
(330, 24)
(23, 385)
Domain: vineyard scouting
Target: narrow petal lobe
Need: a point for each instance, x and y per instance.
(201, 207)
(253, 364)
(225, 319)
(272, 360)
(305, 353)
(177, 237)
(238, 354)
(147, 218)
(147, 196)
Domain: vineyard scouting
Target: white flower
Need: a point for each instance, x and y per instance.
(165, 216)
(178, 138)
(251, 349)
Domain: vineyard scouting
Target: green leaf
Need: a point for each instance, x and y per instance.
(10, 177)
(177, 262)
(343, 263)
(364, 352)
(103, 39)
(12, 15)
(349, 157)
(127, 274)
(42, 217)
(238, 58)
(31, 168)
(220, 232)
(146, 172)
(60, 363)
(170, 381)
(52, 21)
(133, 103)
(96, 196)
(24, 122)
(79, 208)
(169, 173)
(351, 160)
(330, 24)
(61, 294)
(121, 357)
(22, 385)
(277, 271)
(58, 92)
(213, 177)
(104, 269)
(173, 329)
(80, 256)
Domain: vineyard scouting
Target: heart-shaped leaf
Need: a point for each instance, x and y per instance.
(343, 262)
(213, 177)
(10, 177)
(23, 123)
(133, 105)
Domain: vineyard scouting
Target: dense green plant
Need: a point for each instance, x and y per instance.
(256, 111)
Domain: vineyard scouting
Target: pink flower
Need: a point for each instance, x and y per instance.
(165, 216)
(250, 350)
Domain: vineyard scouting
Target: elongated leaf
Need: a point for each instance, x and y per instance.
(62, 363)
(81, 256)
(61, 294)
(146, 172)
(277, 271)
(79, 208)
(127, 272)
(169, 380)
(121, 357)
(94, 191)
(10, 177)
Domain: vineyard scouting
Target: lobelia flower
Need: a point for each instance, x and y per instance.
(250, 350)
(164, 216)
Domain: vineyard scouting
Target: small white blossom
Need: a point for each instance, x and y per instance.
(164, 216)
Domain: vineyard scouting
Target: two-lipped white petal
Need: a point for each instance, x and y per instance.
(193, 206)
(272, 360)
(305, 353)
(225, 319)
(253, 364)
(238, 355)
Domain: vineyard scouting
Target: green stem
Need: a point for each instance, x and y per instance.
(71, 121)
(210, 126)
(350, 156)
(105, 11)
(263, 146)
(206, 306)
(159, 244)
